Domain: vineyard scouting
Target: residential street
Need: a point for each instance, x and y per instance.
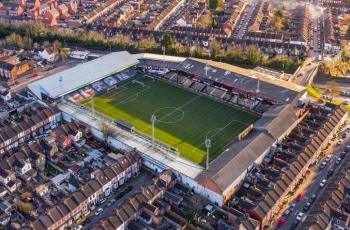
(312, 186)
(136, 183)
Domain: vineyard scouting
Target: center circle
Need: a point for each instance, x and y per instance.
(169, 115)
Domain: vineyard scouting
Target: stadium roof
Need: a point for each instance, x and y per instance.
(82, 75)
(246, 80)
(234, 161)
(159, 57)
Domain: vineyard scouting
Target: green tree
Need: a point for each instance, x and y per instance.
(279, 13)
(214, 4)
(168, 40)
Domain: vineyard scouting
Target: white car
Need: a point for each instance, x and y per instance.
(340, 141)
(328, 157)
(300, 216)
(323, 183)
(98, 212)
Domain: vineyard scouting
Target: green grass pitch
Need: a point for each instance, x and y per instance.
(184, 118)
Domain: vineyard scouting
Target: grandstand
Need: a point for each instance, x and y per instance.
(70, 80)
(235, 79)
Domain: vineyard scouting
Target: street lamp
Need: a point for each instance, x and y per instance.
(153, 121)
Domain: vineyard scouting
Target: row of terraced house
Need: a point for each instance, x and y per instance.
(79, 204)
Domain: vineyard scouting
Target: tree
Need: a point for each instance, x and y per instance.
(121, 40)
(168, 40)
(24, 207)
(146, 44)
(27, 42)
(277, 23)
(64, 53)
(105, 131)
(279, 13)
(348, 32)
(57, 45)
(215, 48)
(206, 20)
(214, 4)
(15, 40)
(253, 55)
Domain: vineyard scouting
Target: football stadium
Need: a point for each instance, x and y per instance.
(173, 110)
(183, 119)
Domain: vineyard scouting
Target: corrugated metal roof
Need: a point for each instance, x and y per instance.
(83, 74)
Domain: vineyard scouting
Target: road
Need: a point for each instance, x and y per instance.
(314, 186)
(248, 13)
(136, 183)
(306, 73)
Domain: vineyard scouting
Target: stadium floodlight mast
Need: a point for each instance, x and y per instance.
(93, 103)
(60, 82)
(207, 145)
(163, 49)
(153, 121)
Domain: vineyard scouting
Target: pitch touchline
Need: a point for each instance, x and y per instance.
(219, 131)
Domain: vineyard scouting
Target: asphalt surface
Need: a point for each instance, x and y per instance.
(314, 187)
(136, 182)
(245, 19)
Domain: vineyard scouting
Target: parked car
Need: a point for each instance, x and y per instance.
(340, 141)
(98, 212)
(294, 225)
(312, 198)
(300, 216)
(337, 162)
(287, 213)
(330, 172)
(307, 207)
(328, 157)
(323, 165)
(102, 200)
(323, 183)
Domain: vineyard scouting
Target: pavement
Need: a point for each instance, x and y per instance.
(311, 184)
(135, 182)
